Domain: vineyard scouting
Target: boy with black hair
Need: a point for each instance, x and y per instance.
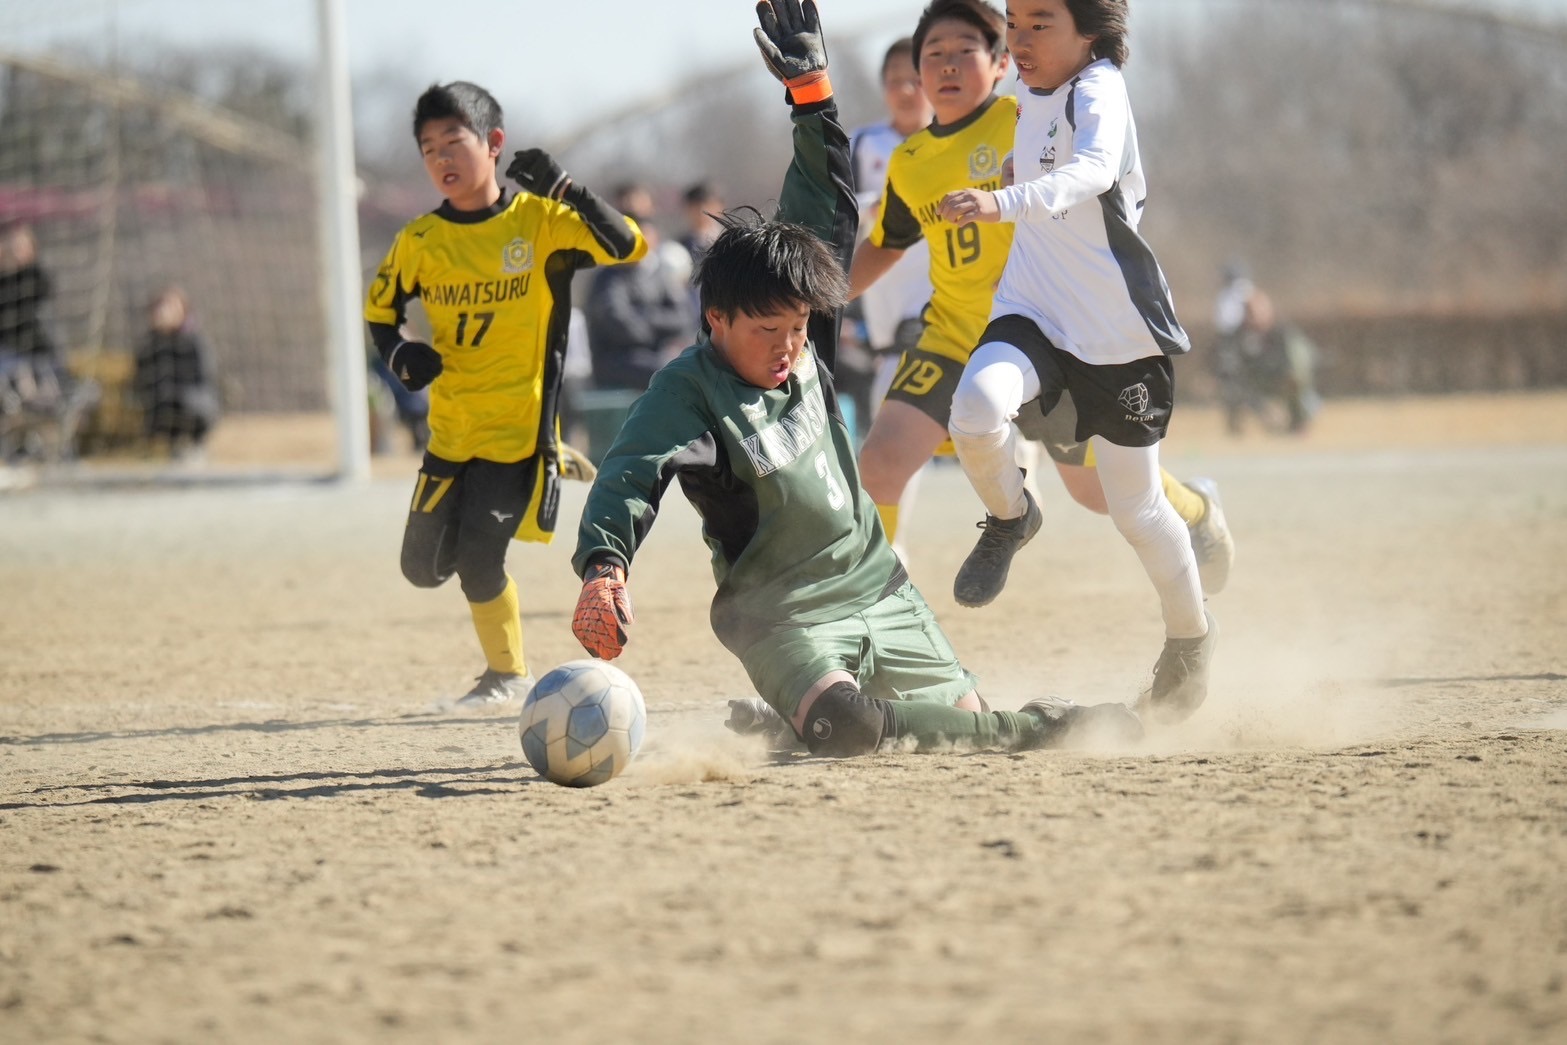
(811, 597)
(493, 272)
(1082, 308)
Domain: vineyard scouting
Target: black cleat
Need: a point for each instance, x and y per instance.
(984, 573)
(754, 717)
(1180, 677)
(1068, 724)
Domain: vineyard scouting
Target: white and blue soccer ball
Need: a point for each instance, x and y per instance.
(582, 723)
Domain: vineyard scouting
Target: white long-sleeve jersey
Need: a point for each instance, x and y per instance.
(1078, 267)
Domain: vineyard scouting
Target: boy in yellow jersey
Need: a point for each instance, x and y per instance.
(493, 272)
(959, 52)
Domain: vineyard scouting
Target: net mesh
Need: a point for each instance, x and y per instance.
(125, 170)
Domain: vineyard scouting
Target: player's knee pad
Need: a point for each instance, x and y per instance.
(989, 394)
(843, 722)
(481, 570)
(485, 587)
(429, 552)
(975, 413)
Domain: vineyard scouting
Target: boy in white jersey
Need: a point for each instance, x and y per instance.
(1082, 307)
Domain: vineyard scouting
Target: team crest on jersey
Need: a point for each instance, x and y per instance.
(1047, 158)
(1136, 399)
(517, 256)
(805, 366)
(984, 162)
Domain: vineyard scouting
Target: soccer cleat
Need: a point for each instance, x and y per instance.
(574, 464)
(1211, 540)
(495, 689)
(1180, 677)
(753, 717)
(1068, 724)
(984, 573)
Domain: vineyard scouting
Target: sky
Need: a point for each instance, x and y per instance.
(523, 50)
(564, 61)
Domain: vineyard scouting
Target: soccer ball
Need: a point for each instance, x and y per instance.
(582, 723)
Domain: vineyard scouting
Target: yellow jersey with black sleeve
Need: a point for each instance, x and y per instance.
(966, 262)
(496, 287)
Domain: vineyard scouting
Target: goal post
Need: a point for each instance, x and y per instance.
(338, 192)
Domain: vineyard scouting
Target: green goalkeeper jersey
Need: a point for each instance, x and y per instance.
(795, 539)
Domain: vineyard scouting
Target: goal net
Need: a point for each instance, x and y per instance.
(128, 167)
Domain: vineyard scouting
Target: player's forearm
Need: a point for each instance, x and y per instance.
(818, 188)
(870, 264)
(385, 337)
(615, 232)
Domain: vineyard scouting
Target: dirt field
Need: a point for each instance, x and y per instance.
(230, 814)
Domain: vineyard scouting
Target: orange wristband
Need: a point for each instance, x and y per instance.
(812, 87)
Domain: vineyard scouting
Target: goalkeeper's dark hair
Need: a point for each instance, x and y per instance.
(471, 104)
(991, 23)
(759, 267)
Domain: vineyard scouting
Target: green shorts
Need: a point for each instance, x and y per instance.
(895, 650)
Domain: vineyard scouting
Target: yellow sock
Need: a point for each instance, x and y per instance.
(1188, 503)
(889, 520)
(499, 625)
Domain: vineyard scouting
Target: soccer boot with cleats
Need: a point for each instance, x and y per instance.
(1211, 540)
(575, 465)
(495, 689)
(1180, 677)
(984, 573)
(754, 717)
(1068, 724)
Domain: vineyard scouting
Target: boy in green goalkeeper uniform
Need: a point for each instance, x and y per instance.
(493, 272)
(811, 597)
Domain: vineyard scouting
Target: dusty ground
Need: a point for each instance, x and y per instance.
(229, 815)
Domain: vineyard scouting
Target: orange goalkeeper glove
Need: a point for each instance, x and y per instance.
(792, 45)
(603, 611)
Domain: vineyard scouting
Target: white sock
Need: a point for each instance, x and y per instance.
(1130, 476)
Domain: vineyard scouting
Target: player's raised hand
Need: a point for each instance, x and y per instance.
(414, 363)
(967, 206)
(603, 611)
(792, 46)
(536, 171)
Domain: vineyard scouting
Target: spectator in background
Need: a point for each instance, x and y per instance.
(41, 403)
(1229, 307)
(1264, 365)
(702, 206)
(176, 380)
(25, 289)
(640, 315)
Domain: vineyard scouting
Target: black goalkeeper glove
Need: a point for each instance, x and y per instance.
(415, 363)
(790, 38)
(537, 172)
